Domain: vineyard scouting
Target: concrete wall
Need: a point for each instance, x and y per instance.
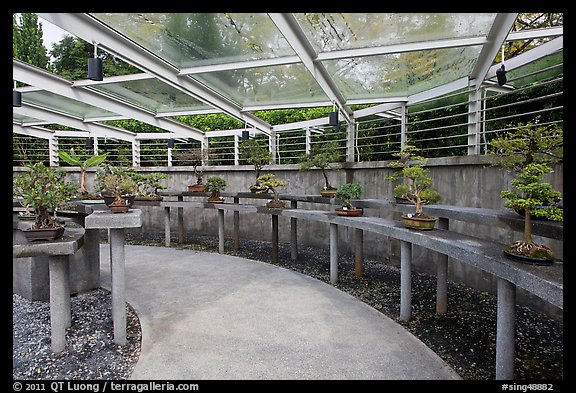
(462, 181)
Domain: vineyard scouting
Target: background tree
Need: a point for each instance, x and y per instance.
(27, 40)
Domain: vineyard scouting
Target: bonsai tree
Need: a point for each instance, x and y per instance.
(116, 182)
(147, 185)
(417, 182)
(324, 156)
(529, 151)
(75, 160)
(42, 189)
(348, 191)
(214, 185)
(196, 157)
(254, 154)
(532, 195)
(269, 182)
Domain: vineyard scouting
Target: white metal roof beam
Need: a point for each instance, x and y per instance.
(94, 129)
(236, 65)
(289, 27)
(37, 77)
(34, 131)
(496, 37)
(91, 30)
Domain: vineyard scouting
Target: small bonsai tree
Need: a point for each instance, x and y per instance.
(214, 185)
(43, 188)
(148, 184)
(269, 182)
(324, 156)
(532, 195)
(254, 154)
(417, 182)
(116, 181)
(75, 160)
(348, 191)
(196, 157)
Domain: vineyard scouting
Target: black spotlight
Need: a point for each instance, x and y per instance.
(95, 69)
(89, 143)
(170, 143)
(501, 75)
(245, 136)
(16, 98)
(333, 119)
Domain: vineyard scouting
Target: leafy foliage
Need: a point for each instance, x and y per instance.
(324, 156)
(348, 191)
(269, 182)
(73, 159)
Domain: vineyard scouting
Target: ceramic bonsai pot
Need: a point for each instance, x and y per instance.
(423, 223)
(528, 259)
(328, 192)
(197, 188)
(355, 212)
(33, 234)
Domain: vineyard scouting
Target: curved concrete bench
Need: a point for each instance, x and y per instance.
(545, 282)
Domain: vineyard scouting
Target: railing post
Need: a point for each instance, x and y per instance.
(293, 233)
(405, 280)
(221, 231)
(274, 238)
(333, 253)
(358, 252)
(236, 226)
(442, 275)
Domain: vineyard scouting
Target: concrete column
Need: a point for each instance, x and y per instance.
(221, 231)
(118, 284)
(358, 252)
(293, 233)
(59, 302)
(442, 275)
(236, 234)
(405, 280)
(333, 253)
(274, 238)
(167, 226)
(66, 300)
(505, 330)
(180, 221)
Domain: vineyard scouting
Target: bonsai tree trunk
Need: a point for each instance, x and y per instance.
(325, 178)
(527, 226)
(43, 219)
(83, 189)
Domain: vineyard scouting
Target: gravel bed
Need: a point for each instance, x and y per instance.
(465, 337)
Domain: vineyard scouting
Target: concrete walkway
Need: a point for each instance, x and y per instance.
(213, 316)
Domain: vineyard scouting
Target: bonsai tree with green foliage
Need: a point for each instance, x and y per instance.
(84, 163)
(417, 182)
(259, 156)
(148, 184)
(529, 151)
(215, 184)
(43, 188)
(196, 157)
(324, 156)
(269, 182)
(348, 191)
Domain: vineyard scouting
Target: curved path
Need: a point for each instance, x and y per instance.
(214, 316)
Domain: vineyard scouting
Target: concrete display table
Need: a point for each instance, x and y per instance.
(103, 218)
(58, 252)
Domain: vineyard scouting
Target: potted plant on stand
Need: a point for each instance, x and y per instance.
(214, 185)
(529, 151)
(406, 157)
(254, 154)
(346, 192)
(75, 160)
(416, 188)
(121, 188)
(195, 157)
(325, 157)
(269, 182)
(42, 189)
(148, 185)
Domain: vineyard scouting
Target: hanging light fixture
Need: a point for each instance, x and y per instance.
(16, 97)
(501, 72)
(245, 133)
(170, 143)
(95, 66)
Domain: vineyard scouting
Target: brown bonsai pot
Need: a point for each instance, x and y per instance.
(275, 204)
(197, 188)
(328, 192)
(421, 222)
(350, 212)
(33, 234)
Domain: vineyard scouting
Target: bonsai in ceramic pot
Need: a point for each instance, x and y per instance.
(148, 185)
(196, 157)
(258, 156)
(269, 182)
(416, 187)
(529, 151)
(324, 156)
(214, 185)
(42, 189)
(118, 188)
(346, 192)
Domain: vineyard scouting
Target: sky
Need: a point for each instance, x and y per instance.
(51, 33)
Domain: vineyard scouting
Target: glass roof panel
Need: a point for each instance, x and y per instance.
(283, 84)
(329, 32)
(152, 95)
(194, 39)
(23, 119)
(401, 74)
(545, 68)
(65, 105)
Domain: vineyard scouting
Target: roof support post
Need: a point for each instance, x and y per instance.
(403, 121)
(308, 140)
(236, 152)
(53, 150)
(272, 146)
(473, 122)
(204, 145)
(350, 140)
(136, 152)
